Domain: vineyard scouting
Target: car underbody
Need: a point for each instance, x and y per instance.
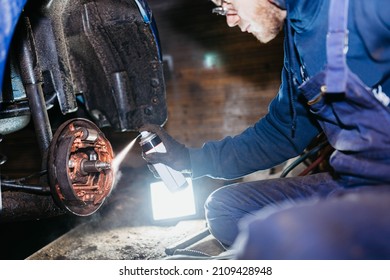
(99, 64)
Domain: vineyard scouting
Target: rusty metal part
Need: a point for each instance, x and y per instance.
(91, 166)
(31, 74)
(79, 167)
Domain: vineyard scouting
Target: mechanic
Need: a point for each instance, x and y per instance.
(331, 85)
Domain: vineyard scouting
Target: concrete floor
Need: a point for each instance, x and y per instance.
(123, 228)
(93, 242)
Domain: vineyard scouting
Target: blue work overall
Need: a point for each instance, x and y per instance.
(321, 216)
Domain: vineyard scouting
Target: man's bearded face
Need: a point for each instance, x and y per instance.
(268, 22)
(259, 17)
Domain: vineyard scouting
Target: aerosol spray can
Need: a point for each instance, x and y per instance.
(173, 179)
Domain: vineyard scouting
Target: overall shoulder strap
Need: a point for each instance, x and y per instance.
(337, 47)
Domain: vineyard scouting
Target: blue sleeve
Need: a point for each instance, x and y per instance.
(265, 144)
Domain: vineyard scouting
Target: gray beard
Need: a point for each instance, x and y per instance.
(270, 22)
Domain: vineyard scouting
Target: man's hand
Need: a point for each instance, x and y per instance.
(177, 155)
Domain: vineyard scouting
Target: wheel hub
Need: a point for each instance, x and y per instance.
(79, 166)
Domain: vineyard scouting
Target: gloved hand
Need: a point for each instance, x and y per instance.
(153, 170)
(177, 155)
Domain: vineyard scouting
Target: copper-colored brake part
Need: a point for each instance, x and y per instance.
(79, 167)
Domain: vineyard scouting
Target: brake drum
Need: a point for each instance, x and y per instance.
(79, 167)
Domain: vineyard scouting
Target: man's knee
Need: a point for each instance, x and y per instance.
(222, 217)
(349, 227)
(223, 202)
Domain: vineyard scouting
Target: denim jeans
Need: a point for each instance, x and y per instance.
(349, 224)
(310, 217)
(226, 206)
